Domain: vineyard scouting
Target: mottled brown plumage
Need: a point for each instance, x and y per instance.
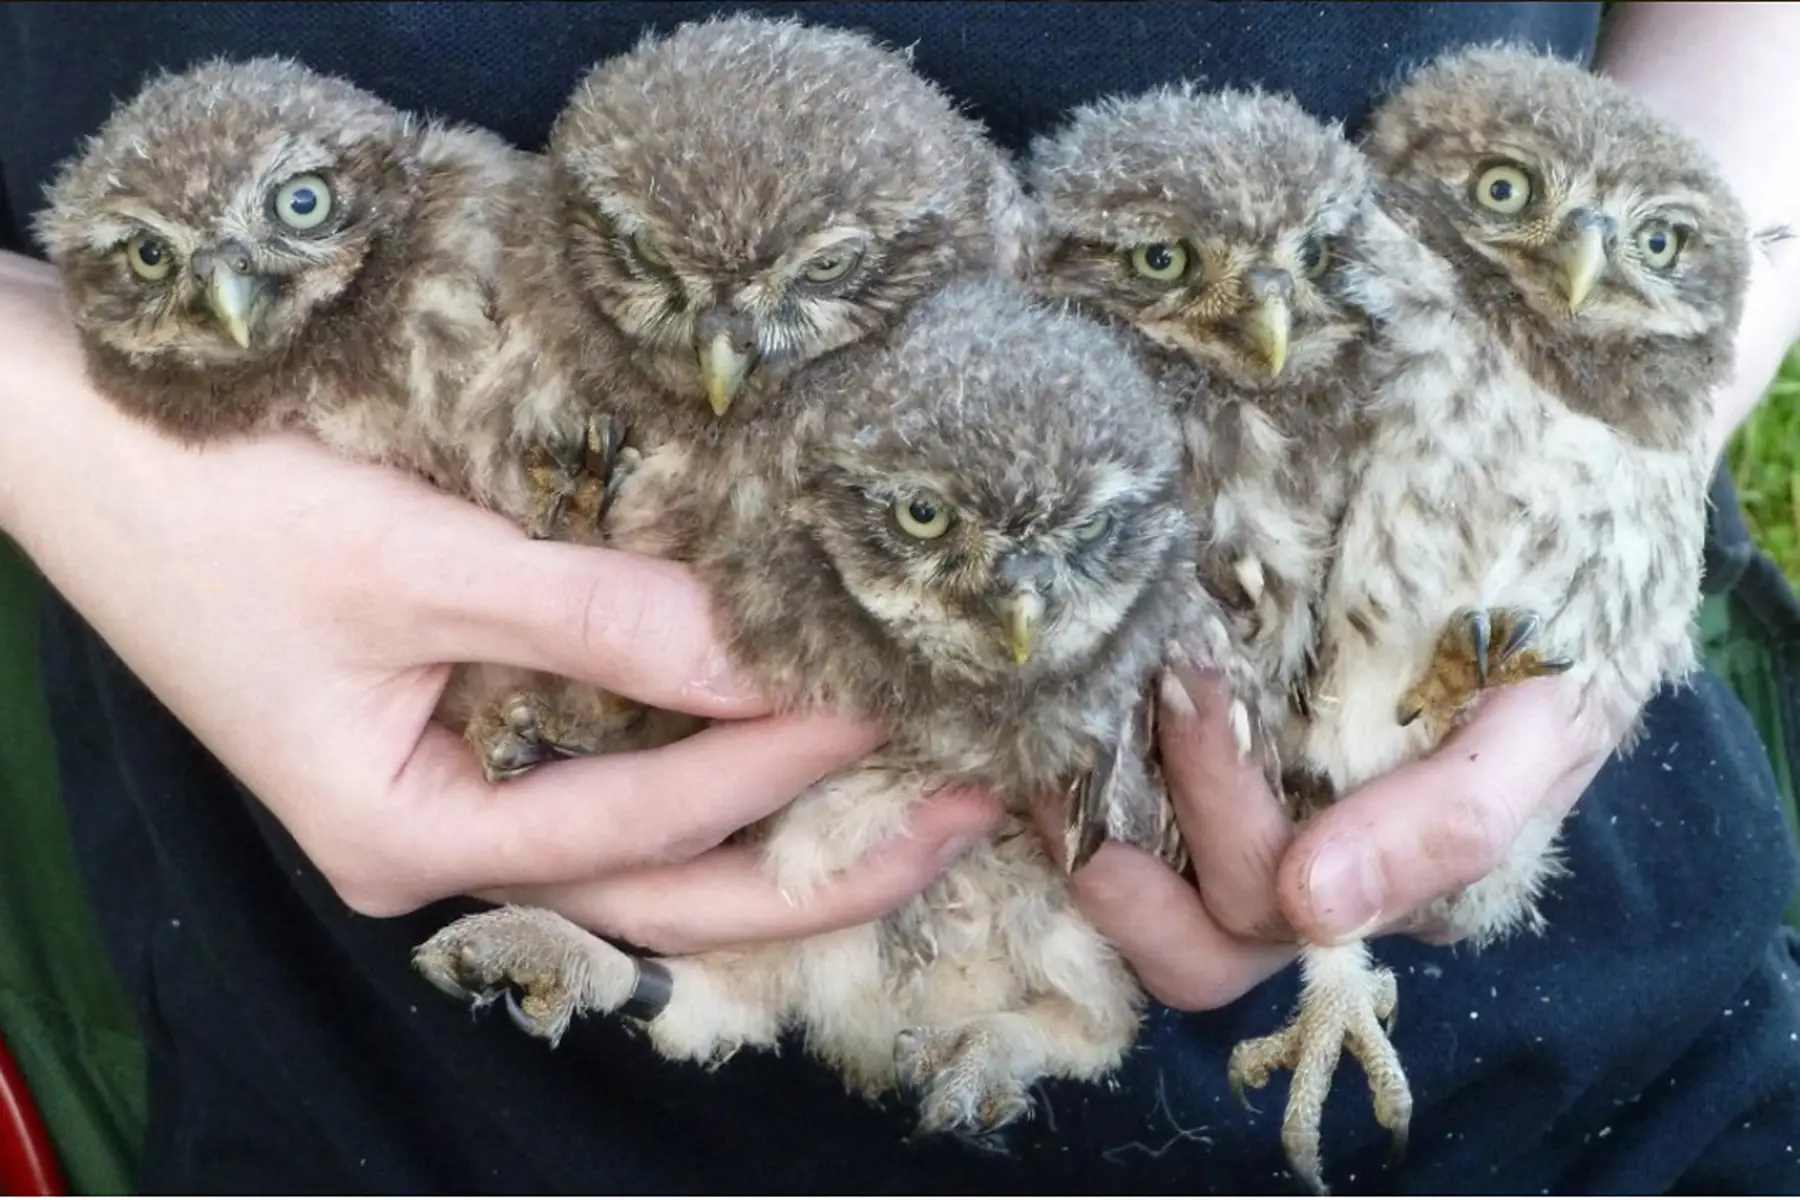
(251, 245)
(997, 481)
(1551, 330)
(1213, 226)
(736, 201)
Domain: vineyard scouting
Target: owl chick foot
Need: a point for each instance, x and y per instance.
(557, 969)
(574, 479)
(1479, 649)
(961, 1078)
(522, 730)
(1349, 1007)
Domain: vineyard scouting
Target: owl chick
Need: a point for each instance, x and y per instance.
(738, 200)
(249, 245)
(1533, 499)
(1211, 227)
(974, 533)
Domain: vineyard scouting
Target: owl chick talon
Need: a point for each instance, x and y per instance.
(549, 969)
(575, 477)
(542, 1014)
(1353, 1013)
(1479, 649)
(520, 731)
(959, 1078)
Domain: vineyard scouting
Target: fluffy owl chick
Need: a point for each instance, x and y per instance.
(746, 195)
(1213, 226)
(975, 533)
(737, 200)
(247, 245)
(1534, 496)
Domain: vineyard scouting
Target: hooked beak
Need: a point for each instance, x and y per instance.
(1019, 617)
(1583, 256)
(1268, 326)
(236, 300)
(723, 368)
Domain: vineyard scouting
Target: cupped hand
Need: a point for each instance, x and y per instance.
(1367, 865)
(299, 612)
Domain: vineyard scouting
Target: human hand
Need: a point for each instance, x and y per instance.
(1367, 865)
(299, 612)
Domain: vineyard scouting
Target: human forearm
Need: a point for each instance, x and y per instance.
(1727, 73)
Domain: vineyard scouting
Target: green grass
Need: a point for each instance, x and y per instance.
(1765, 463)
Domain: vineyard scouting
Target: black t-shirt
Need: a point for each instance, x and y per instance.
(292, 1048)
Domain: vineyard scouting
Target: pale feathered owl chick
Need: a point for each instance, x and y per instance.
(974, 532)
(1213, 226)
(1534, 496)
(737, 200)
(248, 245)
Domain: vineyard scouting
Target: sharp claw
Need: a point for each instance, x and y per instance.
(553, 518)
(1555, 666)
(1410, 714)
(1242, 1097)
(1481, 633)
(1523, 632)
(1397, 1149)
(518, 1015)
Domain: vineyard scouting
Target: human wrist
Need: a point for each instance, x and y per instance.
(65, 451)
(30, 308)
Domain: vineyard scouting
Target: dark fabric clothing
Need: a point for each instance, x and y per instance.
(1649, 1042)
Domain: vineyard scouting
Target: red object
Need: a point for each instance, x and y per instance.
(27, 1163)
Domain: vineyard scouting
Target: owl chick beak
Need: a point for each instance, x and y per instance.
(235, 295)
(1019, 615)
(1583, 254)
(728, 353)
(1268, 326)
(1270, 321)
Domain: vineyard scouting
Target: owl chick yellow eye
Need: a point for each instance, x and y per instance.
(1658, 245)
(922, 518)
(303, 202)
(1315, 257)
(1094, 528)
(1163, 262)
(1505, 189)
(150, 257)
(830, 266)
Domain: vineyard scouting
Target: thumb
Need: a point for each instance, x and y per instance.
(1441, 823)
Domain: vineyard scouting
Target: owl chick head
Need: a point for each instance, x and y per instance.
(746, 195)
(1603, 217)
(996, 488)
(218, 210)
(1211, 223)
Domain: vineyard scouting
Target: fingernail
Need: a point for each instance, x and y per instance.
(722, 679)
(1346, 891)
(1174, 697)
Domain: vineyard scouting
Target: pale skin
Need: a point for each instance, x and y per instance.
(273, 620)
(1724, 71)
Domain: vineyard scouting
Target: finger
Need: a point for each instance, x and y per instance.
(591, 817)
(726, 897)
(1439, 824)
(1156, 919)
(1230, 819)
(638, 626)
